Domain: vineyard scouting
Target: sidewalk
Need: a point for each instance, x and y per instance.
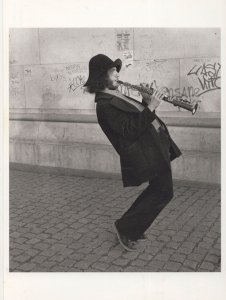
(64, 224)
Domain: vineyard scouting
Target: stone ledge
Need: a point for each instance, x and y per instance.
(180, 119)
(97, 146)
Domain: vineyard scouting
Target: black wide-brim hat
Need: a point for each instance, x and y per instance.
(99, 65)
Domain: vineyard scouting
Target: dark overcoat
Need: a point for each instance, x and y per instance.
(133, 136)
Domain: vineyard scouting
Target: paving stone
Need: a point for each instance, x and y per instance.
(100, 266)
(158, 244)
(42, 236)
(185, 269)
(58, 247)
(15, 252)
(31, 252)
(48, 252)
(170, 232)
(57, 258)
(212, 234)
(167, 251)
(217, 246)
(178, 257)
(107, 244)
(190, 264)
(189, 245)
(41, 246)
(87, 250)
(77, 256)
(29, 235)
(194, 240)
(22, 258)
(215, 252)
(145, 256)
(172, 266)
(33, 241)
(13, 265)
(156, 263)
(178, 238)
(27, 267)
(48, 265)
(75, 245)
(114, 253)
(15, 234)
(215, 259)
(38, 259)
(107, 259)
(92, 257)
(155, 232)
(67, 263)
(207, 266)
(20, 240)
(173, 245)
(151, 250)
(100, 250)
(184, 250)
(162, 257)
(82, 265)
(198, 234)
(204, 245)
(139, 263)
(196, 256)
(131, 255)
(114, 268)
(164, 238)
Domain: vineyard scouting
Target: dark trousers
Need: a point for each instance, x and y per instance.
(137, 219)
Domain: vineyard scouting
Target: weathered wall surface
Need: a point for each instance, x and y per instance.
(49, 66)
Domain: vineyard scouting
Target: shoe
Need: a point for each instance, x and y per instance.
(124, 241)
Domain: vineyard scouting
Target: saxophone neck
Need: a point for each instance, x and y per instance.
(137, 87)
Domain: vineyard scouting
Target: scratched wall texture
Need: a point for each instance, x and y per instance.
(49, 66)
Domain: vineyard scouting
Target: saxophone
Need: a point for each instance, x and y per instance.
(176, 102)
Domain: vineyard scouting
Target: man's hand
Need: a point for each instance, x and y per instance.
(155, 99)
(146, 97)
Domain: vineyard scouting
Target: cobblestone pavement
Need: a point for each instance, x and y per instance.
(64, 224)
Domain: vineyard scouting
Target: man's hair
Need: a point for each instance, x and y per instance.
(98, 84)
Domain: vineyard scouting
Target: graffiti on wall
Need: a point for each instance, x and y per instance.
(188, 93)
(76, 82)
(208, 76)
(72, 76)
(76, 68)
(16, 85)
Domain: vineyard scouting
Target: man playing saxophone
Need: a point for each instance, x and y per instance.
(143, 143)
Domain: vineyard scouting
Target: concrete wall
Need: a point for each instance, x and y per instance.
(53, 118)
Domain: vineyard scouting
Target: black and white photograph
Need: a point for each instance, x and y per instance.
(114, 149)
(112, 146)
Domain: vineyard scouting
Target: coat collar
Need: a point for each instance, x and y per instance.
(122, 104)
(118, 102)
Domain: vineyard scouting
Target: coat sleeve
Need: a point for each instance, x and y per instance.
(127, 125)
(145, 104)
